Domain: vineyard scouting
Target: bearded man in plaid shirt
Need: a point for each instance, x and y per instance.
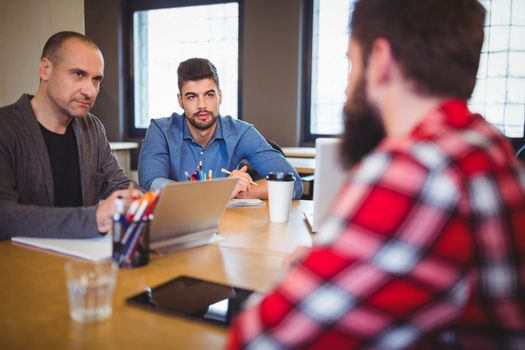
(425, 246)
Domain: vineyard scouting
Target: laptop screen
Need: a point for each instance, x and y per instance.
(189, 211)
(328, 178)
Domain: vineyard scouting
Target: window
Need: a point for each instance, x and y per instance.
(164, 37)
(328, 72)
(499, 94)
(500, 89)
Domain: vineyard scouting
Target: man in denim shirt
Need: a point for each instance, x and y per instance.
(175, 146)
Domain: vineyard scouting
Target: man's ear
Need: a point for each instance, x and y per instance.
(179, 98)
(380, 62)
(45, 68)
(220, 96)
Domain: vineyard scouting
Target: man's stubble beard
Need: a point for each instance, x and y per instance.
(203, 126)
(70, 112)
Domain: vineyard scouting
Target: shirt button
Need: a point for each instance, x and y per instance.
(202, 153)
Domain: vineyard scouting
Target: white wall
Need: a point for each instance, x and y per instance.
(25, 25)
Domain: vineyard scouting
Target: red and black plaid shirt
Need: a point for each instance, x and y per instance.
(425, 248)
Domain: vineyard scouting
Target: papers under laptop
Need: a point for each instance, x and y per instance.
(328, 178)
(188, 213)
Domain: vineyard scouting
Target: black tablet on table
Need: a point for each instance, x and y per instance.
(194, 298)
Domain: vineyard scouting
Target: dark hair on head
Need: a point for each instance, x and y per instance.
(436, 42)
(53, 45)
(196, 69)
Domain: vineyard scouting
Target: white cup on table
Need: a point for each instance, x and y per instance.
(280, 193)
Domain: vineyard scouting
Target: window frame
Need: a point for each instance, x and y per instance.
(308, 138)
(132, 6)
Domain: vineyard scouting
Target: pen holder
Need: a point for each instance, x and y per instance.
(131, 242)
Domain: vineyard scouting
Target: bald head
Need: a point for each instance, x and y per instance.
(53, 47)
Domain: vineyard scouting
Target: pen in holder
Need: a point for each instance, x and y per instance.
(131, 242)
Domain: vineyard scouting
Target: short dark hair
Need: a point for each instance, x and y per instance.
(436, 42)
(196, 69)
(53, 45)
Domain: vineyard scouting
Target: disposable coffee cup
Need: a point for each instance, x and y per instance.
(280, 193)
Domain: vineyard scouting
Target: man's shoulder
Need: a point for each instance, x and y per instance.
(8, 115)
(230, 123)
(16, 116)
(89, 121)
(16, 109)
(174, 121)
(477, 148)
(7, 110)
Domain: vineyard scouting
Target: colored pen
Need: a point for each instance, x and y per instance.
(119, 210)
(229, 173)
(132, 209)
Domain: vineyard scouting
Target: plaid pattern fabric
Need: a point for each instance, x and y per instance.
(425, 248)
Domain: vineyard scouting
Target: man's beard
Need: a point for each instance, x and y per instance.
(201, 126)
(364, 129)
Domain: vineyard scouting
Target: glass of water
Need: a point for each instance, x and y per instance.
(90, 288)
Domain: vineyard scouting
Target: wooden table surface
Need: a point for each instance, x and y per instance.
(34, 311)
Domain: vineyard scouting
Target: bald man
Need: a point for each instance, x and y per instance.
(58, 177)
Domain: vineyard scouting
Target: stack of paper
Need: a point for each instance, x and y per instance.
(94, 249)
(250, 202)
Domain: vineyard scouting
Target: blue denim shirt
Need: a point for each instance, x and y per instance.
(168, 151)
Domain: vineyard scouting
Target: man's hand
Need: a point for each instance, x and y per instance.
(106, 208)
(243, 185)
(260, 191)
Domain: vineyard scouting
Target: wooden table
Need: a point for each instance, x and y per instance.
(33, 302)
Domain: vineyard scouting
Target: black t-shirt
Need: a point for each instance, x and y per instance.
(63, 155)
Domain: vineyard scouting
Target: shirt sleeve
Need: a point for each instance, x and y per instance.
(264, 159)
(154, 158)
(388, 266)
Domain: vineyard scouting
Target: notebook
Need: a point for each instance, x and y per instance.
(328, 178)
(187, 214)
(94, 249)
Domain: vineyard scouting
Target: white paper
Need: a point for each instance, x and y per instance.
(95, 249)
(248, 202)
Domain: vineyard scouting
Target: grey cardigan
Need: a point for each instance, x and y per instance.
(26, 182)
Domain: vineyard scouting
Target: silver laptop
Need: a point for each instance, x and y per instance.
(328, 178)
(188, 213)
